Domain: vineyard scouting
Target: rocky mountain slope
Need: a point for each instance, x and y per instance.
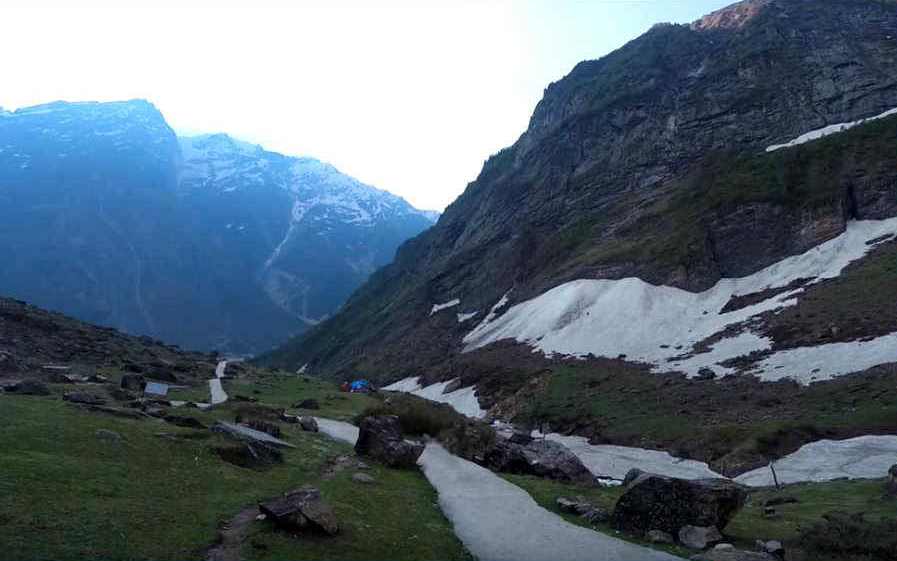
(207, 242)
(646, 183)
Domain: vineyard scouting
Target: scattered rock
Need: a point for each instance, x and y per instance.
(239, 397)
(8, 363)
(773, 547)
(452, 386)
(655, 502)
(722, 546)
(520, 437)
(596, 515)
(300, 510)
(114, 411)
(567, 505)
(361, 465)
(264, 426)
(631, 476)
(732, 555)
(705, 374)
(97, 379)
(119, 394)
(770, 512)
(775, 501)
(308, 404)
(133, 382)
(108, 435)
(84, 398)
(698, 537)
(380, 437)
(891, 484)
(659, 536)
(183, 421)
(29, 387)
(308, 424)
(291, 419)
(363, 478)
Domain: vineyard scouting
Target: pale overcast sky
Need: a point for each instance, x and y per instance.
(411, 97)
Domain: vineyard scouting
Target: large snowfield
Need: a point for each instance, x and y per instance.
(659, 324)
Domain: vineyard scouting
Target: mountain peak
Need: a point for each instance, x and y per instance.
(734, 16)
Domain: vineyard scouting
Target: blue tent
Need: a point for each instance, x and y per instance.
(360, 386)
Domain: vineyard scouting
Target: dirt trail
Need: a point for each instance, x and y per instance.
(231, 536)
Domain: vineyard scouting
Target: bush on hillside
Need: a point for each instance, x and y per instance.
(848, 537)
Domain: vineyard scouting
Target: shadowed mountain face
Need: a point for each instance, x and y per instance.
(651, 163)
(204, 241)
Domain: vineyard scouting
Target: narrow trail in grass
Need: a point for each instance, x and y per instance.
(231, 536)
(499, 521)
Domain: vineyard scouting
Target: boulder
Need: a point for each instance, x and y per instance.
(773, 547)
(659, 536)
(631, 476)
(705, 374)
(891, 484)
(29, 387)
(732, 555)
(380, 437)
(83, 398)
(520, 437)
(655, 502)
(698, 537)
(363, 478)
(308, 404)
(182, 421)
(133, 382)
(119, 394)
(578, 506)
(542, 458)
(302, 509)
(452, 386)
(596, 515)
(309, 424)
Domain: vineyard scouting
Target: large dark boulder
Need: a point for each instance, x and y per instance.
(542, 458)
(380, 438)
(301, 510)
(655, 502)
(29, 387)
(133, 382)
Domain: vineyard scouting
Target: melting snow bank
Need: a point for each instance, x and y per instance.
(826, 131)
(608, 461)
(463, 400)
(864, 457)
(338, 430)
(660, 324)
(216, 390)
(440, 307)
(497, 520)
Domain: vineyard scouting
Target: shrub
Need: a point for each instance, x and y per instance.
(849, 537)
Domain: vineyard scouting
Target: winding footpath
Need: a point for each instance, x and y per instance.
(498, 521)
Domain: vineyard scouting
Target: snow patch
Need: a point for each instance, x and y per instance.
(439, 307)
(660, 325)
(613, 462)
(829, 130)
(462, 317)
(462, 400)
(864, 457)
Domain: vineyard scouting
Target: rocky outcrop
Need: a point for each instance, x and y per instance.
(542, 458)
(654, 502)
(133, 382)
(380, 438)
(301, 510)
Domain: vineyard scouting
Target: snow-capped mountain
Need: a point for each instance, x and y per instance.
(205, 241)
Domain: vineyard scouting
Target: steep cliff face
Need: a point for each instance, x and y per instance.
(651, 162)
(207, 242)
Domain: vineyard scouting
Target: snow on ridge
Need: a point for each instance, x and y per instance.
(439, 307)
(659, 324)
(462, 400)
(829, 130)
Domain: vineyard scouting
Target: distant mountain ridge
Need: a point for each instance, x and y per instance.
(205, 241)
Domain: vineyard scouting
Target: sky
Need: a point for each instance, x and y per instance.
(408, 96)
